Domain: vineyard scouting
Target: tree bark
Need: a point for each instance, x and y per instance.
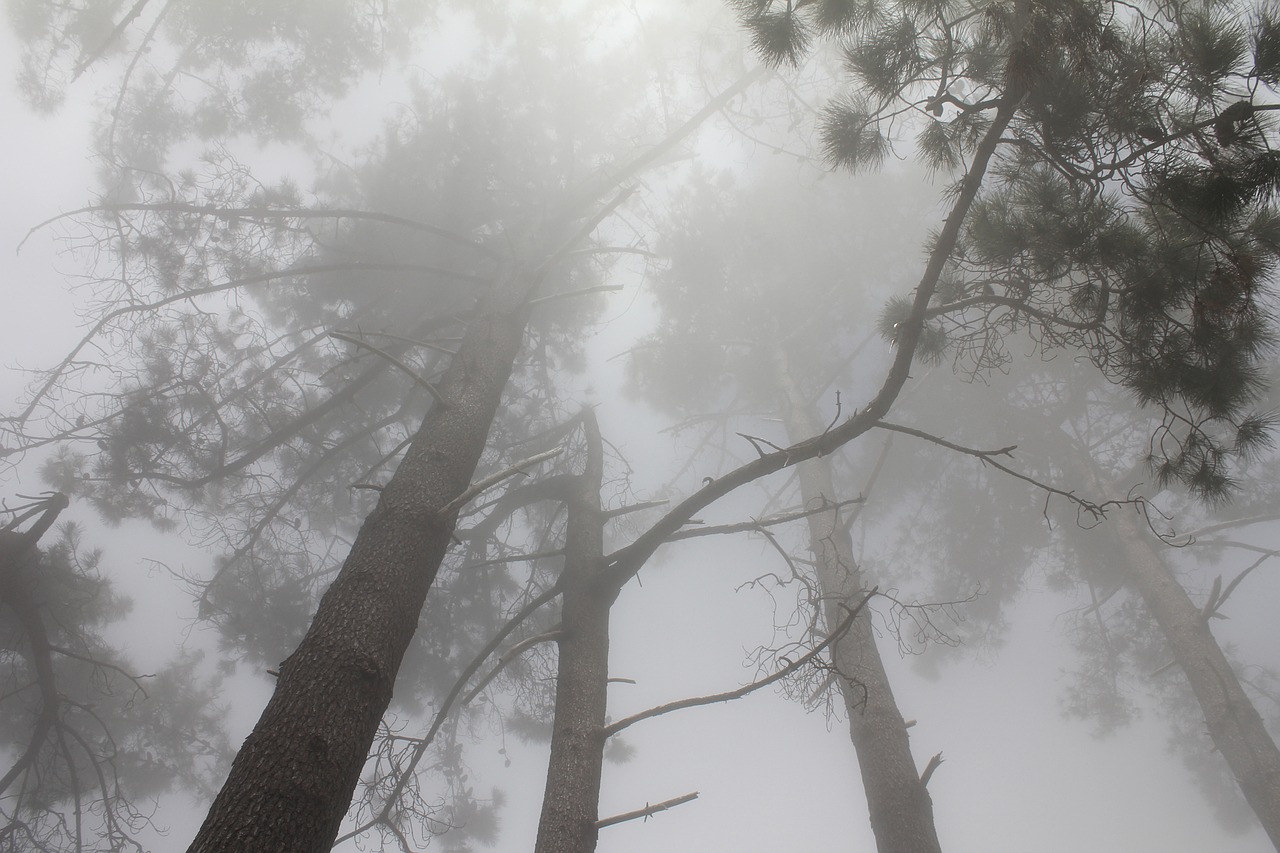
(291, 784)
(899, 804)
(1234, 724)
(571, 802)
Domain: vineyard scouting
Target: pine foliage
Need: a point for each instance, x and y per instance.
(1129, 210)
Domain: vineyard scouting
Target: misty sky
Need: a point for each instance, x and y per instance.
(1018, 776)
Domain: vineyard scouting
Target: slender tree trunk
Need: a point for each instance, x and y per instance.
(292, 781)
(571, 803)
(899, 804)
(1233, 722)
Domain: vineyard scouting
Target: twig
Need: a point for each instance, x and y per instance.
(569, 294)
(929, 768)
(507, 657)
(407, 340)
(413, 374)
(987, 457)
(756, 441)
(584, 232)
(729, 695)
(517, 558)
(1231, 587)
(384, 816)
(647, 810)
(643, 505)
(493, 479)
(756, 524)
(264, 213)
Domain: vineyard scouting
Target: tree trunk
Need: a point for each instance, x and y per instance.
(291, 784)
(899, 804)
(571, 802)
(292, 781)
(1234, 724)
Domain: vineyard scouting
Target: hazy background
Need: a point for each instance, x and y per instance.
(1018, 776)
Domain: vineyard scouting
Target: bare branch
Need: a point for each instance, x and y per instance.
(643, 505)
(261, 213)
(757, 524)
(570, 294)
(647, 810)
(987, 457)
(383, 818)
(413, 374)
(933, 764)
(493, 479)
(729, 695)
(507, 657)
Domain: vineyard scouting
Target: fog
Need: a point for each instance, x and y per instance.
(980, 467)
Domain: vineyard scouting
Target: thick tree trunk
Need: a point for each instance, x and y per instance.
(571, 803)
(291, 783)
(899, 804)
(1234, 724)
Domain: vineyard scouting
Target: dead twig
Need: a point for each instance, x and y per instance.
(647, 810)
(727, 696)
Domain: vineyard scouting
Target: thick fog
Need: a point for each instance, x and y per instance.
(782, 426)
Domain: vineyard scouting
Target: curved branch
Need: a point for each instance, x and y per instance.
(841, 629)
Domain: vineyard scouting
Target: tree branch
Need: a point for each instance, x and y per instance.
(757, 524)
(647, 811)
(493, 479)
(729, 695)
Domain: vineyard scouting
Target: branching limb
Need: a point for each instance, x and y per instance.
(628, 560)
(841, 629)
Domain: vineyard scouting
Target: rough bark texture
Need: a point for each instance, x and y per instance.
(292, 782)
(899, 804)
(1234, 724)
(571, 803)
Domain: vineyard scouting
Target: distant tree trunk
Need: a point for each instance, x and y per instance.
(571, 802)
(1234, 724)
(899, 804)
(291, 784)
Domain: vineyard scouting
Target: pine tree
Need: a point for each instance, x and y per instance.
(1126, 213)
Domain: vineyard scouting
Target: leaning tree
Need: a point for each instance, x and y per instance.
(1123, 153)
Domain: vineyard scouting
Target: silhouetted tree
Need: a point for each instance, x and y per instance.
(90, 741)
